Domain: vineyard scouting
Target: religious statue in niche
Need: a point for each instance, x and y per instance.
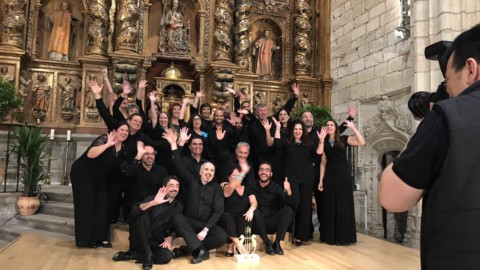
(61, 39)
(277, 103)
(23, 84)
(258, 97)
(41, 96)
(306, 100)
(174, 33)
(266, 57)
(5, 76)
(68, 95)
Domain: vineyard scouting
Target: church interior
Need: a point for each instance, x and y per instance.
(341, 53)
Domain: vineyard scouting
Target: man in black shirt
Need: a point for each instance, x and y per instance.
(151, 235)
(144, 176)
(224, 137)
(205, 205)
(272, 214)
(240, 158)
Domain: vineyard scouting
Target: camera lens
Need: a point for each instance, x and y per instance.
(419, 104)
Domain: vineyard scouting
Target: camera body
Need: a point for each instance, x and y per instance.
(419, 102)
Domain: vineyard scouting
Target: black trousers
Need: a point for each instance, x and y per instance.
(234, 227)
(188, 228)
(90, 201)
(302, 197)
(317, 194)
(278, 224)
(117, 186)
(142, 244)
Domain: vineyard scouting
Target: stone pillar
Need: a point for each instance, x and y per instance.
(223, 30)
(242, 31)
(97, 34)
(302, 40)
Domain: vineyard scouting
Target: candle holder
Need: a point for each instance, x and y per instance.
(65, 163)
(48, 178)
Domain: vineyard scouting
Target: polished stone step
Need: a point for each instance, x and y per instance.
(49, 223)
(55, 208)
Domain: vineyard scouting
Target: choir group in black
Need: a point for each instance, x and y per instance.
(206, 180)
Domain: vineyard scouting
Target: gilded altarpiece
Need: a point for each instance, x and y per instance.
(51, 49)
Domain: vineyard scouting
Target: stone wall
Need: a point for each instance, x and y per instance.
(377, 71)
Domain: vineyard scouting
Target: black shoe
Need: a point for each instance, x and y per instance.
(278, 249)
(200, 256)
(269, 249)
(181, 251)
(104, 244)
(123, 256)
(148, 263)
(298, 243)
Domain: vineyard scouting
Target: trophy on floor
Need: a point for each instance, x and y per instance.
(248, 246)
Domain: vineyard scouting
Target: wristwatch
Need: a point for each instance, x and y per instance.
(206, 229)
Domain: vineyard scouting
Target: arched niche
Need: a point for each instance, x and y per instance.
(192, 10)
(44, 27)
(259, 25)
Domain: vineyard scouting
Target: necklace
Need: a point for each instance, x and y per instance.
(331, 142)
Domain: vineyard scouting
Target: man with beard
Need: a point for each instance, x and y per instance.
(151, 236)
(223, 137)
(144, 176)
(272, 214)
(205, 205)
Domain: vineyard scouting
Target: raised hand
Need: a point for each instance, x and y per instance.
(170, 136)
(243, 111)
(349, 124)
(111, 138)
(199, 94)
(140, 148)
(266, 124)
(352, 111)
(105, 72)
(277, 123)
(220, 133)
(184, 136)
(152, 96)
(96, 90)
(244, 167)
(322, 134)
(142, 83)
(230, 90)
(185, 101)
(160, 197)
(295, 89)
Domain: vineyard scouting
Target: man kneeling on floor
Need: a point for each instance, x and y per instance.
(151, 238)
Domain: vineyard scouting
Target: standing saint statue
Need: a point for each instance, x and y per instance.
(264, 48)
(174, 34)
(41, 95)
(62, 20)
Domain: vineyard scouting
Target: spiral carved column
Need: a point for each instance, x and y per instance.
(223, 30)
(13, 23)
(98, 28)
(242, 30)
(302, 41)
(127, 21)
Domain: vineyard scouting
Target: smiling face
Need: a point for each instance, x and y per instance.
(135, 123)
(196, 122)
(163, 120)
(207, 172)
(297, 132)
(176, 111)
(331, 128)
(262, 112)
(196, 146)
(283, 117)
(242, 152)
(219, 116)
(121, 133)
(206, 111)
(173, 186)
(265, 172)
(149, 157)
(307, 119)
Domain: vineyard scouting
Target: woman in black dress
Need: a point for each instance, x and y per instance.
(89, 176)
(338, 213)
(240, 204)
(298, 155)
